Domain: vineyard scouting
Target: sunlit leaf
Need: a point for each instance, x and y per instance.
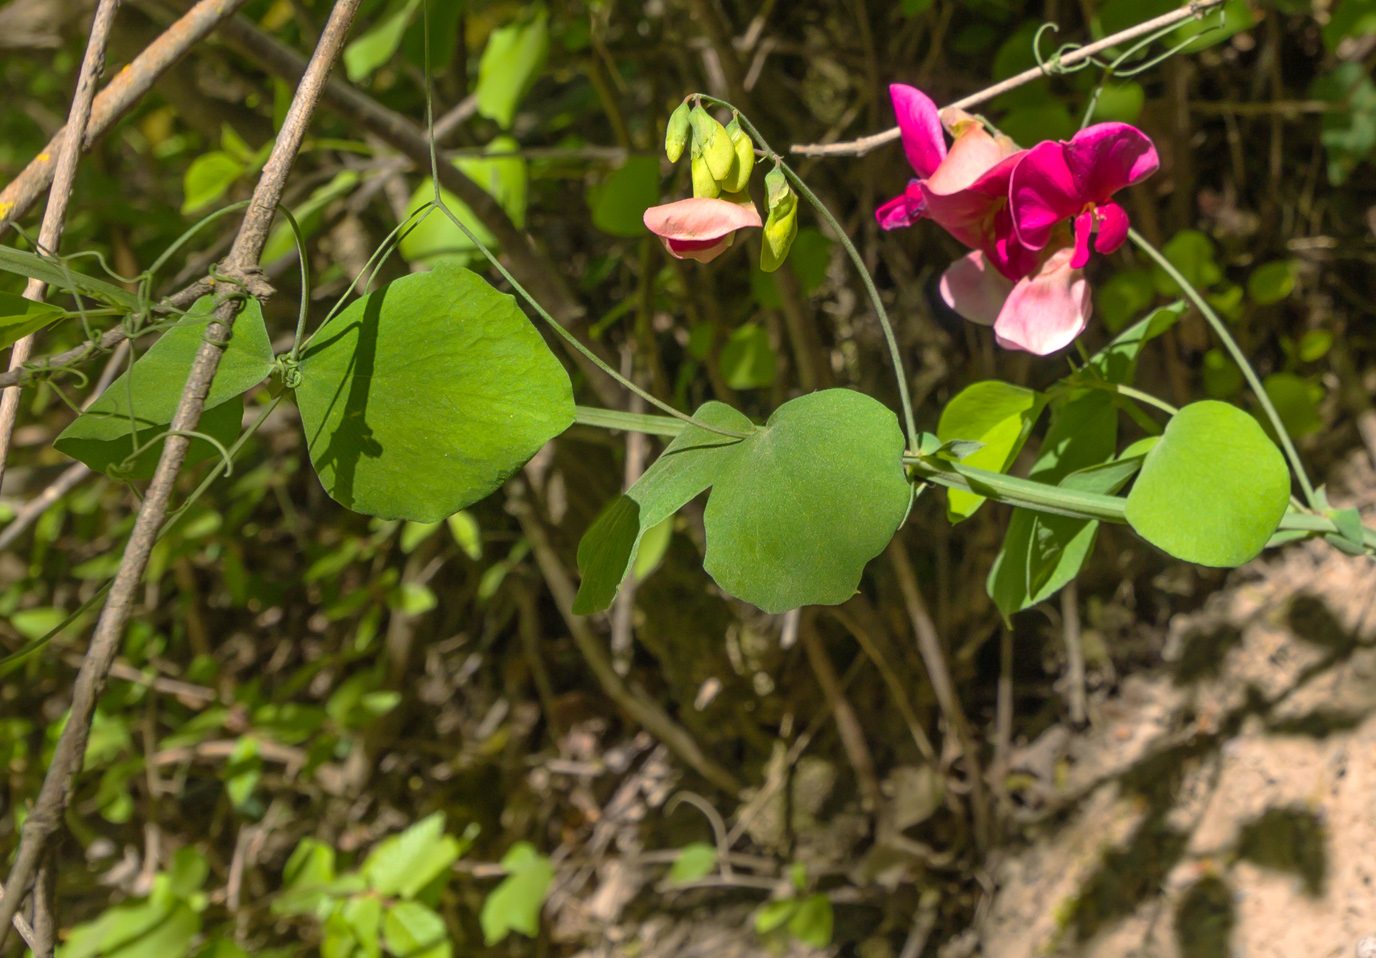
(997, 414)
(1213, 489)
(444, 344)
(515, 904)
(509, 66)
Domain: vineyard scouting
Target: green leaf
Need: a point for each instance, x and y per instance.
(401, 865)
(1213, 489)
(1222, 377)
(309, 216)
(411, 930)
(101, 436)
(208, 178)
(1125, 295)
(19, 317)
(1031, 124)
(1297, 402)
(694, 861)
(813, 921)
(1271, 282)
(242, 772)
(800, 506)
(412, 598)
(375, 47)
(747, 358)
(1120, 103)
(188, 872)
(1117, 362)
(515, 904)
(1349, 18)
(435, 238)
(1192, 253)
(57, 275)
(619, 205)
(1314, 345)
(509, 67)
(687, 467)
(449, 345)
(363, 915)
(653, 545)
(1349, 132)
(997, 414)
(774, 914)
(464, 528)
(414, 533)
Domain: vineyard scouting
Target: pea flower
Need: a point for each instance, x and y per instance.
(964, 189)
(700, 228)
(1076, 180)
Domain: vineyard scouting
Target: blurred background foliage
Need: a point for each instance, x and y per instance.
(329, 734)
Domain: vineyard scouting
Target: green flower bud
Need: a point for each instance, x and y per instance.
(705, 185)
(782, 225)
(715, 142)
(744, 163)
(676, 135)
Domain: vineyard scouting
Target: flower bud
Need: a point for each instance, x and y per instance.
(705, 185)
(716, 145)
(744, 163)
(676, 134)
(782, 225)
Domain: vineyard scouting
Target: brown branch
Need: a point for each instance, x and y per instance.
(934, 657)
(241, 264)
(119, 95)
(640, 710)
(64, 178)
(860, 147)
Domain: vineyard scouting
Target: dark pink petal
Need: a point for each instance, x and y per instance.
(704, 251)
(1106, 157)
(974, 289)
(1084, 225)
(919, 123)
(1046, 311)
(1113, 228)
(700, 218)
(1042, 192)
(902, 210)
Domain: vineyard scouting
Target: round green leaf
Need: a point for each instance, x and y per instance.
(1191, 252)
(510, 64)
(619, 205)
(1213, 489)
(1271, 282)
(423, 397)
(802, 504)
(1120, 102)
(1297, 402)
(996, 414)
(747, 358)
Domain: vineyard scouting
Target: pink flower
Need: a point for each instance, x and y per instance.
(700, 228)
(1040, 313)
(964, 190)
(1076, 180)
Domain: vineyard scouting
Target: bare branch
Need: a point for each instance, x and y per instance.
(865, 144)
(119, 95)
(64, 178)
(241, 265)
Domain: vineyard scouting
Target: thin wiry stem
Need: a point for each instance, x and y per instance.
(867, 143)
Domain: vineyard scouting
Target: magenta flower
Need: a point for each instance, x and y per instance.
(1040, 313)
(700, 228)
(964, 190)
(1076, 180)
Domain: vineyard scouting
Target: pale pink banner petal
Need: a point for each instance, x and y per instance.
(1046, 311)
(974, 289)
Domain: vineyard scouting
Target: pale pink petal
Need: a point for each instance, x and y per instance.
(973, 154)
(1084, 225)
(1046, 311)
(1104, 158)
(902, 210)
(704, 251)
(1042, 192)
(974, 289)
(1113, 227)
(700, 218)
(920, 127)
